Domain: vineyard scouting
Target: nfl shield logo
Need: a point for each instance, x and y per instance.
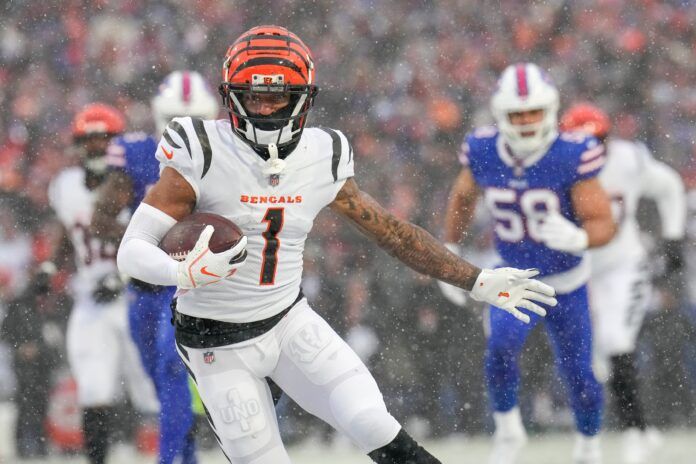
(209, 357)
(274, 180)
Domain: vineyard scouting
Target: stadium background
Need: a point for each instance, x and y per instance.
(405, 80)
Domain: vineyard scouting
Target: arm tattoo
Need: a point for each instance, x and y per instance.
(409, 243)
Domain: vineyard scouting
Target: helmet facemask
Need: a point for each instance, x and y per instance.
(283, 127)
(527, 139)
(91, 150)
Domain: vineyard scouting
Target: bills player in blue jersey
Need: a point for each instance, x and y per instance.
(134, 169)
(541, 189)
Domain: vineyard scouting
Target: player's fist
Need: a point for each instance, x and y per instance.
(558, 233)
(509, 289)
(203, 267)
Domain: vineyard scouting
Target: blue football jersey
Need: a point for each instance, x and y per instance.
(134, 154)
(520, 193)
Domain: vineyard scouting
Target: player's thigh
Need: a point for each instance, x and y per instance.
(325, 377)
(93, 353)
(570, 331)
(168, 362)
(140, 386)
(238, 404)
(619, 300)
(143, 315)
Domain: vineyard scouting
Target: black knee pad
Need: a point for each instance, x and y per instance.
(402, 450)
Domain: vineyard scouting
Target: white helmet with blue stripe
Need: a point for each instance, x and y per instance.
(525, 87)
(183, 93)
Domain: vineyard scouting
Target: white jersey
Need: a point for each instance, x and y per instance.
(73, 204)
(630, 173)
(275, 214)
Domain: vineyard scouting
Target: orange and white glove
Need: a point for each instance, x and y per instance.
(203, 267)
(509, 289)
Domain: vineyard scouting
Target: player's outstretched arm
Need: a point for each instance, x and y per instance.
(114, 194)
(403, 240)
(506, 288)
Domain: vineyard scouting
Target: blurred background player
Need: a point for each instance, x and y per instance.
(133, 169)
(542, 190)
(100, 351)
(621, 282)
(33, 328)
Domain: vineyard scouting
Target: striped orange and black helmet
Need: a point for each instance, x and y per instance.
(586, 117)
(92, 129)
(269, 63)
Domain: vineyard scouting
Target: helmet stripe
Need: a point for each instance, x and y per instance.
(282, 38)
(522, 89)
(260, 49)
(268, 60)
(186, 87)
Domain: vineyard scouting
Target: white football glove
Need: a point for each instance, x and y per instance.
(561, 234)
(453, 293)
(509, 288)
(203, 267)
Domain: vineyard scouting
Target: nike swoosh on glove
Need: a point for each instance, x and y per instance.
(559, 233)
(203, 267)
(509, 289)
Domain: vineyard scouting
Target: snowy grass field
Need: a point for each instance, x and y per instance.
(679, 448)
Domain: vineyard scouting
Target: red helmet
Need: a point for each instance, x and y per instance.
(269, 61)
(588, 118)
(98, 118)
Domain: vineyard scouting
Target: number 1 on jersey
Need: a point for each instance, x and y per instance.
(275, 218)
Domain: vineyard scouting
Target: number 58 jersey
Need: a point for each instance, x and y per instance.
(520, 194)
(275, 212)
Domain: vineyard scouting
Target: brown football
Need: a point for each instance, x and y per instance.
(183, 236)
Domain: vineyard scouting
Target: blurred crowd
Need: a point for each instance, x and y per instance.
(405, 80)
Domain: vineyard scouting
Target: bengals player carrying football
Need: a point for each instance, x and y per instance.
(268, 173)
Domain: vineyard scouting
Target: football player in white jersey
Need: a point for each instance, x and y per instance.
(620, 285)
(240, 315)
(100, 351)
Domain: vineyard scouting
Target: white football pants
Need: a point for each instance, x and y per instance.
(619, 298)
(102, 354)
(312, 364)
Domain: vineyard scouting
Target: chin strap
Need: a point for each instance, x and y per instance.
(274, 165)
